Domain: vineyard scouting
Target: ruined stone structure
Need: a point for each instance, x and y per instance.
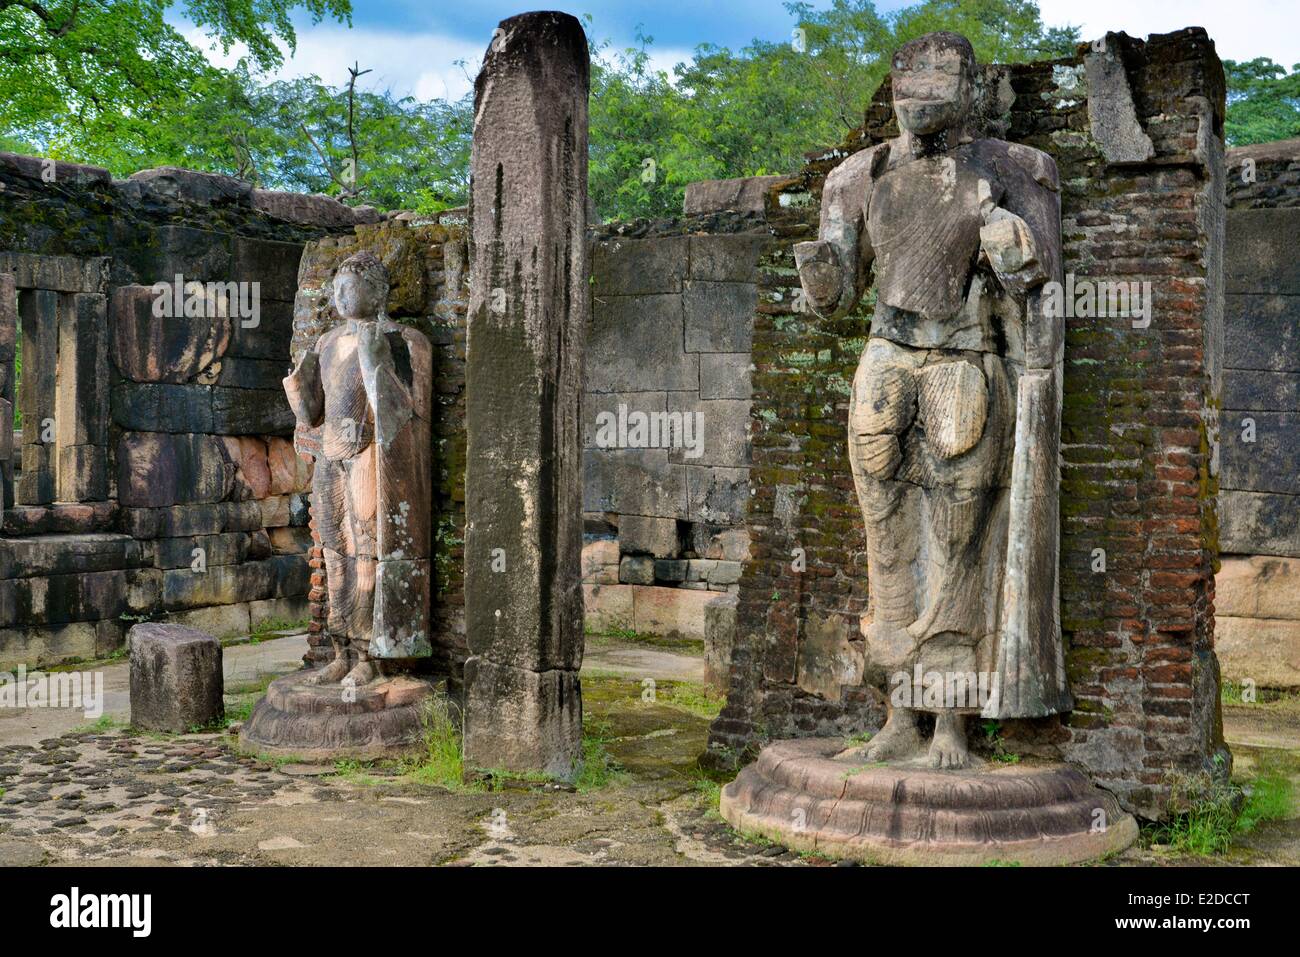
(529, 288)
(665, 431)
(181, 437)
(152, 474)
(1257, 597)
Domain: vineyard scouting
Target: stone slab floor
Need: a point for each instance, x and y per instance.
(100, 794)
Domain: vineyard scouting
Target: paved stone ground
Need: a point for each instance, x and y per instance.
(103, 795)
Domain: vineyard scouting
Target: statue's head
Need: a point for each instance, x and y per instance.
(933, 79)
(360, 287)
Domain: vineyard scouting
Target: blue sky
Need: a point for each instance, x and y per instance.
(412, 45)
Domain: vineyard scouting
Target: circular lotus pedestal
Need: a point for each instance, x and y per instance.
(799, 794)
(382, 719)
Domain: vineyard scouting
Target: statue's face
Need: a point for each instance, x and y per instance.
(355, 298)
(931, 93)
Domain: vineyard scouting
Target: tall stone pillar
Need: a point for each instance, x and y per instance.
(527, 312)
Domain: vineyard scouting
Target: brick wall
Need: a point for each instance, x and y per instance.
(1138, 433)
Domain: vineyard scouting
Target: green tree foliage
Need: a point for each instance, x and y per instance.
(758, 111)
(1263, 101)
(102, 78)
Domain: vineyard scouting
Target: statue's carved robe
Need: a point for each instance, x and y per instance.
(372, 488)
(955, 419)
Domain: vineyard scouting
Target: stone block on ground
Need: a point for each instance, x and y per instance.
(719, 639)
(176, 677)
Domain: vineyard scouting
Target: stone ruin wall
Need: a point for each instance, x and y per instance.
(163, 434)
(1257, 605)
(702, 314)
(1139, 428)
(670, 332)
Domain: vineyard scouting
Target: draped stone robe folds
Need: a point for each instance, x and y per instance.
(955, 417)
(372, 487)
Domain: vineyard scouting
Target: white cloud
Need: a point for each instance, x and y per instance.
(1241, 30)
(416, 64)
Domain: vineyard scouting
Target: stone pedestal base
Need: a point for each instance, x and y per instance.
(383, 719)
(798, 794)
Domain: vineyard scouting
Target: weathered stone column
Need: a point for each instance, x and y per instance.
(527, 313)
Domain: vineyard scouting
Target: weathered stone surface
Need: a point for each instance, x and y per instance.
(208, 189)
(39, 319)
(290, 472)
(719, 639)
(634, 345)
(164, 348)
(674, 612)
(636, 570)
(181, 520)
(602, 413)
(315, 209)
(608, 607)
(726, 258)
(1253, 390)
(1255, 253)
(162, 407)
(61, 554)
(55, 171)
(1259, 523)
(725, 375)
(1270, 460)
(1258, 586)
(272, 265)
(159, 469)
(1261, 331)
(534, 721)
(59, 519)
(720, 431)
(529, 293)
(719, 316)
(56, 273)
(600, 561)
(225, 548)
(717, 495)
(746, 194)
(277, 577)
(1111, 113)
(382, 719)
(245, 411)
(634, 482)
(1265, 651)
(803, 795)
(639, 267)
(176, 679)
(81, 596)
(642, 535)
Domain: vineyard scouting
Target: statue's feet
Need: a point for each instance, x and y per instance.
(948, 748)
(897, 739)
(364, 673)
(332, 672)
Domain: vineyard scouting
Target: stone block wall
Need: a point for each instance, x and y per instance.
(669, 337)
(1137, 136)
(426, 259)
(153, 475)
(1257, 612)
